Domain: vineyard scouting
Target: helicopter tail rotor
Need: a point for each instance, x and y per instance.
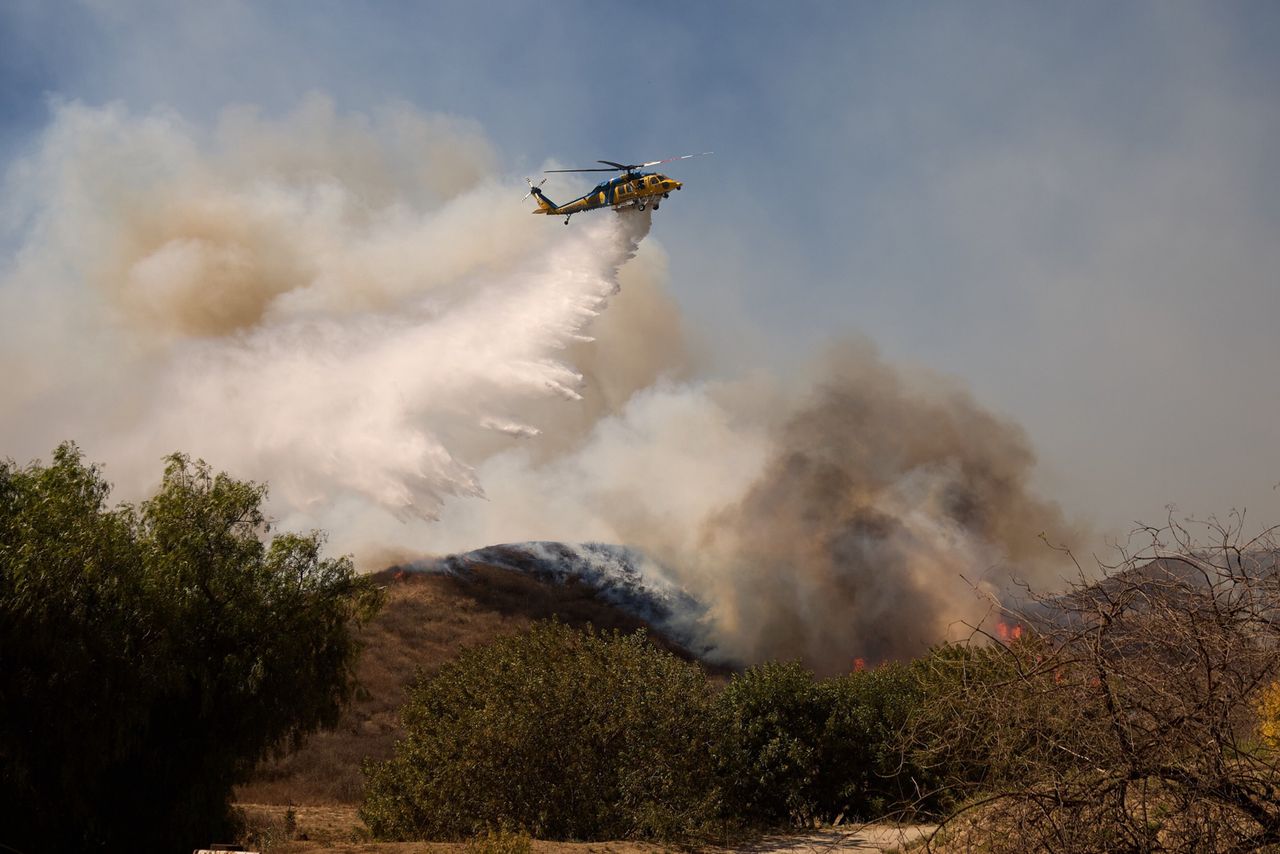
(533, 188)
(545, 205)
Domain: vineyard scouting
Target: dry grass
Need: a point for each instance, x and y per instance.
(427, 620)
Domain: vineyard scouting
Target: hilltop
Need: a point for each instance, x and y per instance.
(428, 618)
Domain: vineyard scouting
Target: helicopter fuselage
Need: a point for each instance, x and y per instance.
(634, 189)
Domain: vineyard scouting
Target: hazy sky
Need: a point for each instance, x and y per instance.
(1072, 207)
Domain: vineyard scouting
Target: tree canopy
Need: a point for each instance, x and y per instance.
(150, 655)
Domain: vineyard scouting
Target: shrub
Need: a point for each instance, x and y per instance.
(794, 749)
(1269, 716)
(771, 720)
(967, 732)
(867, 767)
(556, 732)
(150, 655)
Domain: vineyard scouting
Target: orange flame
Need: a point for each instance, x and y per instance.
(1009, 633)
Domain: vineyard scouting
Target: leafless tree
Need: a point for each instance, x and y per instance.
(1121, 715)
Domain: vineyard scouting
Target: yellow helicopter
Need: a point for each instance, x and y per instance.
(630, 189)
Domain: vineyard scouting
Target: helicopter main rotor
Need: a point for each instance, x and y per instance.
(619, 167)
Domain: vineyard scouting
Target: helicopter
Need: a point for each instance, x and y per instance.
(630, 189)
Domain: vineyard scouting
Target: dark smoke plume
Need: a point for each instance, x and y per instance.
(880, 508)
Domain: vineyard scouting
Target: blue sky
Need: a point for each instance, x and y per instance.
(1072, 207)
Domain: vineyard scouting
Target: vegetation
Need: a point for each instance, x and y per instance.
(1269, 716)
(771, 722)
(1137, 712)
(869, 771)
(793, 749)
(578, 735)
(1139, 718)
(561, 733)
(965, 734)
(151, 655)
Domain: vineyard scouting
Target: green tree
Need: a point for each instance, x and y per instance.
(557, 732)
(150, 655)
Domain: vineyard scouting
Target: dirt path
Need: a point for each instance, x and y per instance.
(858, 838)
(338, 830)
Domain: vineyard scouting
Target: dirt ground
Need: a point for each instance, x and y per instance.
(338, 830)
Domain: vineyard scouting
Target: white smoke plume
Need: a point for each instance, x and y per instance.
(337, 304)
(353, 309)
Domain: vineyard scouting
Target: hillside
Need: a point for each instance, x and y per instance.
(428, 618)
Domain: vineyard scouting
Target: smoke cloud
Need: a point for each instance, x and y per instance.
(352, 308)
(882, 510)
(343, 305)
(867, 512)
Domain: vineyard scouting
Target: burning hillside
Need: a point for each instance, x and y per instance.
(617, 576)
